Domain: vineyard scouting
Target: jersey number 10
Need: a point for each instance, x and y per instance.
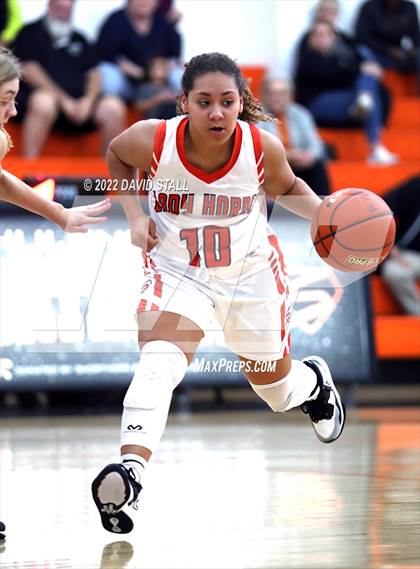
(212, 240)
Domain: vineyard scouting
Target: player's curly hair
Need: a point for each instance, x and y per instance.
(199, 65)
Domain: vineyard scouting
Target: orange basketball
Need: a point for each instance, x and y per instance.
(353, 230)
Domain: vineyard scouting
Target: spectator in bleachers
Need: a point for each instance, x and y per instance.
(169, 11)
(401, 270)
(296, 129)
(327, 11)
(10, 21)
(155, 97)
(390, 29)
(127, 40)
(340, 88)
(61, 81)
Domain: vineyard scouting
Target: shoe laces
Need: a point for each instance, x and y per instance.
(319, 408)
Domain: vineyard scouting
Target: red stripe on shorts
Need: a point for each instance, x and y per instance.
(277, 267)
(274, 242)
(157, 291)
(146, 260)
(142, 306)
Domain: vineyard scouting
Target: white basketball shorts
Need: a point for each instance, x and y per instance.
(249, 303)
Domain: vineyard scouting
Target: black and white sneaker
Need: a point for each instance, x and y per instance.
(2, 530)
(326, 410)
(115, 487)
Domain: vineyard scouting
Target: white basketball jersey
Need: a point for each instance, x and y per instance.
(207, 220)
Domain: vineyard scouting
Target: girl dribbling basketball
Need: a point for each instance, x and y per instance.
(208, 254)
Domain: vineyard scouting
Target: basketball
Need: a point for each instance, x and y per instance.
(353, 230)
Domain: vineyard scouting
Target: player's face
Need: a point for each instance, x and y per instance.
(213, 106)
(8, 92)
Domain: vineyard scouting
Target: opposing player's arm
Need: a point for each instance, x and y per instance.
(15, 191)
(280, 182)
(73, 220)
(128, 153)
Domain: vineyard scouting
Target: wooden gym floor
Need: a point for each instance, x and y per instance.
(226, 490)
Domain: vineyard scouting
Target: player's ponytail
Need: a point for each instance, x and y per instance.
(199, 65)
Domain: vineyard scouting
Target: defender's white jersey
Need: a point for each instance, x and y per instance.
(207, 220)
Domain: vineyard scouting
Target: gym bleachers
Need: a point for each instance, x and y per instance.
(396, 335)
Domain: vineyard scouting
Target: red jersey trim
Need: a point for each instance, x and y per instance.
(158, 142)
(197, 172)
(258, 151)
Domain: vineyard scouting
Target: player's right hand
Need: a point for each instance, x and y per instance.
(143, 234)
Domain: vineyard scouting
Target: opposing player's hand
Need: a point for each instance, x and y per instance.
(143, 234)
(76, 219)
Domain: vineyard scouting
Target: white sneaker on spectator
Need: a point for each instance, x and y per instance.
(381, 155)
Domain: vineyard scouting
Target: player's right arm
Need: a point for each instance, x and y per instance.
(128, 153)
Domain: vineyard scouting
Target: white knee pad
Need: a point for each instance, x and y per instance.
(162, 366)
(290, 391)
(146, 404)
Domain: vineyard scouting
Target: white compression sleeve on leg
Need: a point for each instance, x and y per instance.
(146, 404)
(299, 385)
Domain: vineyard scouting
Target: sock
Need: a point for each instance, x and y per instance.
(299, 385)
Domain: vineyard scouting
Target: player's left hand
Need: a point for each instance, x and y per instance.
(76, 219)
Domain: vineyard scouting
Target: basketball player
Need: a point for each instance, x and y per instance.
(208, 253)
(15, 191)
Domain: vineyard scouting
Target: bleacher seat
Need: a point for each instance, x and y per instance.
(396, 335)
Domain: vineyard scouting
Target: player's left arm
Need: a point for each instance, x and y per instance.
(280, 182)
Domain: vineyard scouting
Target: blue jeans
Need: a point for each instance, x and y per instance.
(332, 108)
(410, 65)
(114, 82)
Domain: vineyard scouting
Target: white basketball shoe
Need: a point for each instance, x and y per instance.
(115, 487)
(326, 410)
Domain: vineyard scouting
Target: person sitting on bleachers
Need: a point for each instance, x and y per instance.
(296, 129)
(155, 97)
(341, 89)
(401, 270)
(327, 11)
(61, 81)
(390, 29)
(127, 40)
